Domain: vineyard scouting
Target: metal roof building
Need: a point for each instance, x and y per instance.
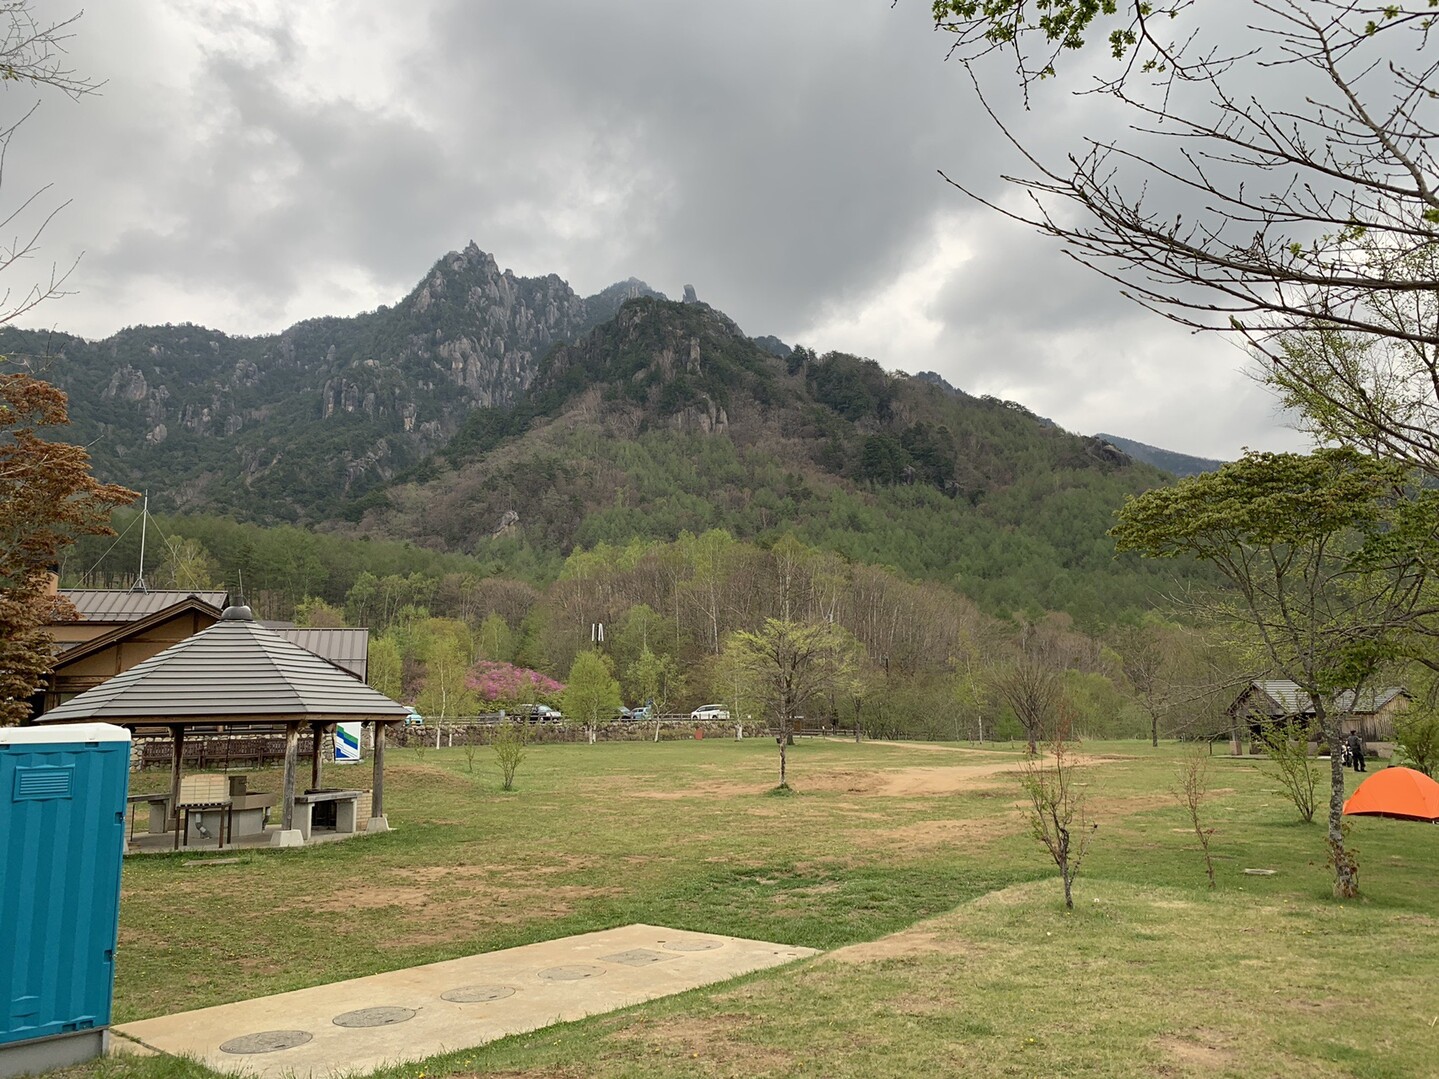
(346, 646)
(113, 605)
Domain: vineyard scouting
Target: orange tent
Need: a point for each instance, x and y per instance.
(1396, 792)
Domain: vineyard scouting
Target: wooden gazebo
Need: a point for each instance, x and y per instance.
(238, 674)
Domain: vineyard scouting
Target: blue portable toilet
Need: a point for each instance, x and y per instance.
(62, 837)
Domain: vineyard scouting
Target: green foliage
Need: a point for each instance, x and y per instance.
(1328, 551)
(445, 648)
(1286, 745)
(1328, 555)
(788, 666)
(313, 611)
(654, 679)
(509, 742)
(494, 640)
(385, 667)
(1416, 737)
(592, 695)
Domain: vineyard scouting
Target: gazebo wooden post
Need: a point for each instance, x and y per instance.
(317, 730)
(292, 749)
(377, 786)
(177, 738)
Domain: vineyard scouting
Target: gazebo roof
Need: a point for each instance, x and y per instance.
(236, 671)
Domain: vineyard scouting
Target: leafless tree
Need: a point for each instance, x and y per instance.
(1058, 815)
(1192, 792)
(1032, 682)
(32, 54)
(1277, 180)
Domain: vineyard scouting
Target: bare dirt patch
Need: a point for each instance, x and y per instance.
(1200, 1051)
(925, 781)
(372, 897)
(902, 945)
(715, 1040)
(1127, 804)
(1014, 895)
(461, 916)
(553, 865)
(932, 748)
(926, 835)
(915, 782)
(709, 789)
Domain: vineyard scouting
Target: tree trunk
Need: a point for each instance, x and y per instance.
(1346, 867)
(783, 740)
(1154, 731)
(1064, 872)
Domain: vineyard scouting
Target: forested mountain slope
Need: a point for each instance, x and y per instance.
(510, 419)
(668, 418)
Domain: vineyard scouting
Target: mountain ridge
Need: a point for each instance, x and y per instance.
(511, 418)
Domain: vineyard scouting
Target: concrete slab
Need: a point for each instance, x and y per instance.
(362, 1024)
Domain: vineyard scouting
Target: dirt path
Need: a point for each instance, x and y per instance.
(926, 780)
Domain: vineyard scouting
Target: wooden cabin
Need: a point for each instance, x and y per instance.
(1281, 701)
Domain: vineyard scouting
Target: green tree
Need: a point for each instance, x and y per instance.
(1327, 554)
(315, 612)
(655, 679)
(494, 640)
(385, 667)
(509, 742)
(1416, 735)
(188, 565)
(789, 666)
(592, 695)
(445, 649)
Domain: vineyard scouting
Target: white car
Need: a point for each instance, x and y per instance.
(711, 713)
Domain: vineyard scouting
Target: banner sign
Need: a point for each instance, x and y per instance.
(347, 742)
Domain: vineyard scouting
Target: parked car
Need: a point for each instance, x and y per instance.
(414, 719)
(537, 713)
(711, 713)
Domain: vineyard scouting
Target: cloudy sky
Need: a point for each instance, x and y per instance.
(250, 163)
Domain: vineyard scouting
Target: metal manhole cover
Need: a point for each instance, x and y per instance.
(574, 973)
(477, 994)
(267, 1041)
(373, 1017)
(636, 957)
(696, 944)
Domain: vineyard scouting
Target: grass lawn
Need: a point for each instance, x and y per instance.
(949, 951)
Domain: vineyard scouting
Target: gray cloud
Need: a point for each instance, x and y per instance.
(252, 162)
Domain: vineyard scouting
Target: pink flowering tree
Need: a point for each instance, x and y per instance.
(505, 684)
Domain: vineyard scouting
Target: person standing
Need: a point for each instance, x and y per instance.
(1355, 745)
